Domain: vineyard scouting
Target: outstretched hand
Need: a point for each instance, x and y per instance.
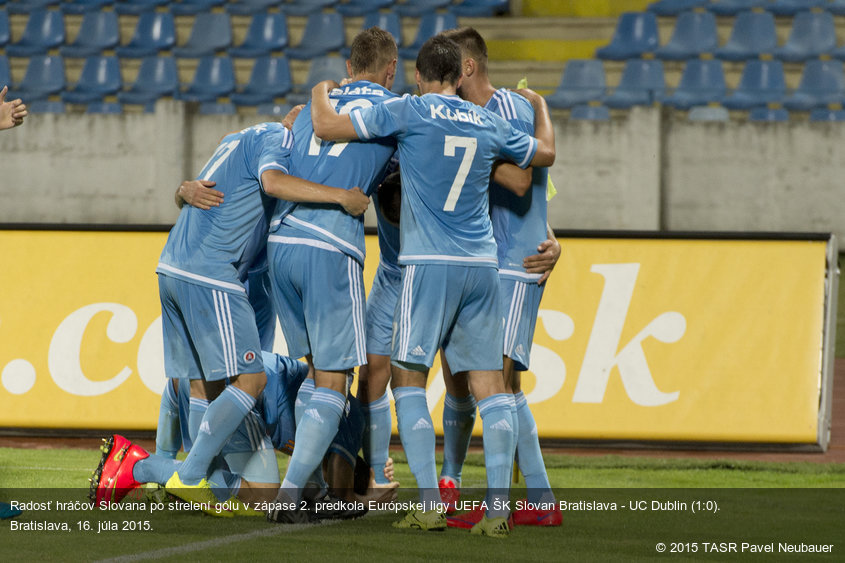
(544, 262)
(11, 112)
(199, 194)
(355, 201)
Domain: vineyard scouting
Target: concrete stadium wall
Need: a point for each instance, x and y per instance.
(647, 171)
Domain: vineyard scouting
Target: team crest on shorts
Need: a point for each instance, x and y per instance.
(249, 356)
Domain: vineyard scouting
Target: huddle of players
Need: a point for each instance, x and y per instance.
(444, 276)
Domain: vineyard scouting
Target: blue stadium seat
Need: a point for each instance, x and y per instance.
(5, 72)
(248, 7)
(110, 108)
(5, 30)
(29, 6)
(418, 8)
(84, 6)
(734, 7)
(193, 7)
(400, 83)
(362, 7)
(708, 113)
(322, 68)
(586, 112)
(267, 33)
(812, 34)
(635, 35)
(768, 114)
(135, 7)
(276, 110)
(324, 32)
(822, 83)
(211, 32)
(45, 106)
(214, 78)
(305, 7)
(430, 24)
(388, 21)
(582, 81)
(836, 7)
(642, 84)
(98, 31)
(213, 108)
(270, 79)
(753, 34)
(44, 76)
(154, 32)
(100, 78)
(157, 77)
(694, 34)
(45, 30)
(825, 114)
(675, 7)
(702, 82)
(761, 83)
(480, 8)
(793, 7)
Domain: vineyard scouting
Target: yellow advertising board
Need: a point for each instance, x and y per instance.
(636, 339)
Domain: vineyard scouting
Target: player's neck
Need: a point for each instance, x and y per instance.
(435, 87)
(477, 91)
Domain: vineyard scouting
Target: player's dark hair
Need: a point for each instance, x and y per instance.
(439, 60)
(471, 43)
(371, 50)
(390, 197)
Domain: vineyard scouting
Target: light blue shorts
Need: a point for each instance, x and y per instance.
(319, 296)
(381, 304)
(258, 291)
(520, 303)
(453, 307)
(208, 333)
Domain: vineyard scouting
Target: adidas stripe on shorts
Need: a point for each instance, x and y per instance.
(520, 303)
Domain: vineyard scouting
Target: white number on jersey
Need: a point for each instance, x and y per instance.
(469, 144)
(219, 156)
(337, 148)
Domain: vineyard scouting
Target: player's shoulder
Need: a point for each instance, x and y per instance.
(363, 89)
(509, 105)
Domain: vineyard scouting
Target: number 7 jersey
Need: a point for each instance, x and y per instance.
(447, 148)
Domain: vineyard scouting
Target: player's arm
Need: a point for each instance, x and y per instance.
(543, 130)
(512, 177)
(288, 120)
(548, 255)
(198, 193)
(328, 124)
(292, 188)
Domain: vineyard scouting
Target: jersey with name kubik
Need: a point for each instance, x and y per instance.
(447, 148)
(519, 223)
(337, 164)
(216, 247)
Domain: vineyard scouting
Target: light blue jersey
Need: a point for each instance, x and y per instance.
(388, 241)
(519, 223)
(447, 148)
(337, 164)
(216, 247)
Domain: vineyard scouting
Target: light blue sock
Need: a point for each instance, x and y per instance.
(377, 435)
(417, 434)
(155, 469)
(530, 457)
(196, 412)
(497, 421)
(224, 415)
(458, 420)
(168, 431)
(303, 397)
(314, 435)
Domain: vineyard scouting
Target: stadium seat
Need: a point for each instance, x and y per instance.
(44, 76)
(734, 7)
(214, 78)
(45, 106)
(388, 21)
(45, 30)
(157, 77)
(5, 72)
(642, 84)
(836, 7)
(267, 33)
(480, 8)
(418, 8)
(400, 82)
(100, 77)
(211, 32)
(793, 7)
(768, 114)
(586, 112)
(84, 6)
(248, 7)
(635, 35)
(5, 30)
(213, 108)
(270, 79)
(136, 7)
(193, 7)
(154, 32)
(582, 81)
(824, 114)
(322, 68)
(29, 6)
(98, 31)
(822, 83)
(104, 107)
(702, 82)
(305, 7)
(812, 34)
(675, 7)
(753, 34)
(362, 7)
(276, 110)
(324, 32)
(430, 25)
(761, 83)
(708, 113)
(694, 34)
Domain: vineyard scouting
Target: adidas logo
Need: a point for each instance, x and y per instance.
(421, 424)
(534, 430)
(520, 349)
(418, 351)
(314, 414)
(502, 425)
(299, 402)
(204, 427)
